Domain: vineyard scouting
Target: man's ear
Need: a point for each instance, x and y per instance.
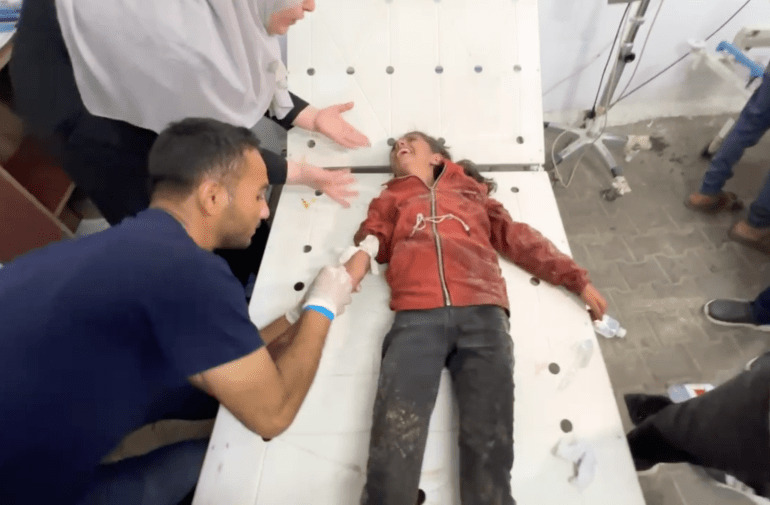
(437, 160)
(212, 197)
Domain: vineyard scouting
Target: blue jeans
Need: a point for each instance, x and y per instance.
(761, 307)
(165, 476)
(752, 124)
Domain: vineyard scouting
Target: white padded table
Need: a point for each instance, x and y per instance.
(321, 458)
(491, 117)
(486, 101)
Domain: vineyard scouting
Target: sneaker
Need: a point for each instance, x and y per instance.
(729, 312)
(727, 481)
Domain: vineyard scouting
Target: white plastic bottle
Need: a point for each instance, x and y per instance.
(583, 355)
(609, 327)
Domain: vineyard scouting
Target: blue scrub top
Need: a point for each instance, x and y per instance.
(92, 331)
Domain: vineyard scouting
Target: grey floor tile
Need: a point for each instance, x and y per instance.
(649, 245)
(580, 255)
(677, 326)
(714, 356)
(644, 272)
(677, 268)
(638, 301)
(725, 259)
(640, 335)
(628, 372)
(698, 489)
(716, 233)
(683, 294)
(685, 240)
(660, 490)
(607, 276)
(671, 365)
(608, 247)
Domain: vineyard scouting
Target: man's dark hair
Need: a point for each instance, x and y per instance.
(193, 148)
(470, 168)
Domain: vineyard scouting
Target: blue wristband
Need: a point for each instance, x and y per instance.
(321, 310)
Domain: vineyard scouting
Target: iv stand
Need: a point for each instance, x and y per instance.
(590, 134)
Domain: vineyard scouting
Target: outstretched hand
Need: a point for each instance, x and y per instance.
(334, 183)
(329, 122)
(597, 305)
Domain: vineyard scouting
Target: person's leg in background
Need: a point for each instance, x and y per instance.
(760, 308)
(752, 124)
(755, 231)
(107, 159)
(414, 353)
(741, 313)
(165, 476)
(725, 429)
(482, 373)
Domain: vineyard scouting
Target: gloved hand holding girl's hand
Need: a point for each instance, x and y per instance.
(332, 289)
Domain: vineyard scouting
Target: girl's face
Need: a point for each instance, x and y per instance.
(412, 155)
(281, 20)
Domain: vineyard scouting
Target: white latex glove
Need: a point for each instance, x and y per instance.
(295, 312)
(332, 289)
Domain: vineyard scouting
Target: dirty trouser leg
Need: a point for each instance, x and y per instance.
(482, 373)
(414, 353)
(761, 307)
(725, 429)
(752, 124)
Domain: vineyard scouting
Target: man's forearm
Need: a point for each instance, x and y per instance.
(298, 362)
(274, 330)
(278, 347)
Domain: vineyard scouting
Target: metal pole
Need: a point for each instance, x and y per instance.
(626, 48)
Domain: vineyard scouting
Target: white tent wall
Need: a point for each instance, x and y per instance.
(575, 38)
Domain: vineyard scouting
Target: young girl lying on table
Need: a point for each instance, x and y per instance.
(439, 230)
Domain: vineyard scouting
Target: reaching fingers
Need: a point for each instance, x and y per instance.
(344, 107)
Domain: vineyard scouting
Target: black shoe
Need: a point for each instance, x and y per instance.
(646, 467)
(641, 406)
(729, 312)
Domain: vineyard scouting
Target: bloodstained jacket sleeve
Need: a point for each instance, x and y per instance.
(380, 222)
(527, 248)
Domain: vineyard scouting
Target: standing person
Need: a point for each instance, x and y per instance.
(440, 232)
(754, 314)
(104, 334)
(104, 77)
(752, 124)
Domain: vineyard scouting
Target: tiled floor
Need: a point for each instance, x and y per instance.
(658, 263)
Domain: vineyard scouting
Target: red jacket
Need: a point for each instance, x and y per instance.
(453, 261)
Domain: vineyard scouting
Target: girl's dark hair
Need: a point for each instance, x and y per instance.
(470, 168)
